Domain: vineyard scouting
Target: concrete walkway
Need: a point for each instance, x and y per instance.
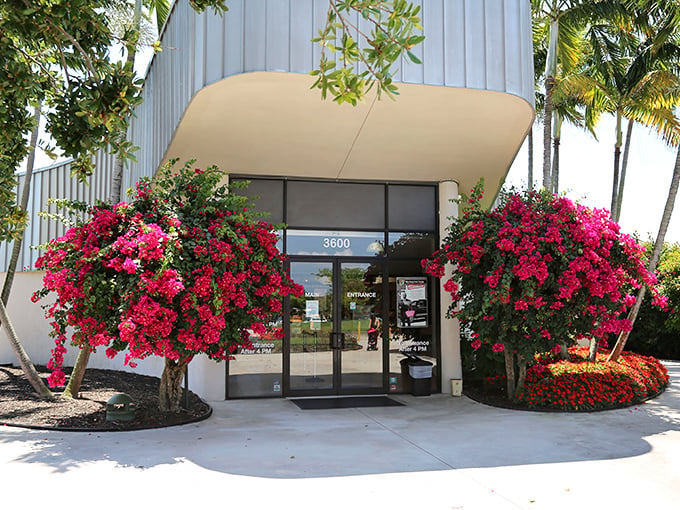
(436, 452)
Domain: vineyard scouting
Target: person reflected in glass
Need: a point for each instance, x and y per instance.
(373, 333)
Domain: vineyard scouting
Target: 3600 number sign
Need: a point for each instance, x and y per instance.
(336, 242)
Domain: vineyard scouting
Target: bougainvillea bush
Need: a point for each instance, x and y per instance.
(536, 272)
(577, 384)
(182, 269)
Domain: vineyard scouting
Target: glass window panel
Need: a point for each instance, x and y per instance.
(339, 243)
(419, 341)
(268, 197)
(258, 371)
(411, 244)
(412, 208)
(335, 205)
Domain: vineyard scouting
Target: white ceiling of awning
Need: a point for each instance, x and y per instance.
(273, 124)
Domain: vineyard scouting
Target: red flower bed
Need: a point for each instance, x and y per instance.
(580, 385)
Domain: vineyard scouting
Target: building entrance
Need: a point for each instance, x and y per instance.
(335, 343)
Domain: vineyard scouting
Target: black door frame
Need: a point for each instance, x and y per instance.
(337, 389)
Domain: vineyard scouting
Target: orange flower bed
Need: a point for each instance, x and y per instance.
(580, 385)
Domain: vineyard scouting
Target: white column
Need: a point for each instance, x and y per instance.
(451, 367)
(207, 378)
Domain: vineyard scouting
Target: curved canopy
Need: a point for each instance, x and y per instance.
(269, 123)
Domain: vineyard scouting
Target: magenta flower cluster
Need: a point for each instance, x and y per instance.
(181, 270)
(539, 270)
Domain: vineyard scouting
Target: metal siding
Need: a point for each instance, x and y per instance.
(233, 39)
(495, 44)
(301, 26)
(277, 49)
(525, 58)
(475, 42)
(255, 35)
(320, 13)
(454, 44)
(214, 48)
(54, 181)
(433, 46)
(199, 54)
(513, 47)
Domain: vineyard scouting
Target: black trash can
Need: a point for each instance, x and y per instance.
(417, 375)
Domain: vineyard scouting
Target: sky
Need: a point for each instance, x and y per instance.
(586, 173)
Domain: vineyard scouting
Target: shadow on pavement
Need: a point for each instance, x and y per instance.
(273, 438)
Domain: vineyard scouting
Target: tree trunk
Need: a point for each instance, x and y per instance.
(624, 166)
(522, 375)
(615, 183)
(550, 73)
(509, 371)
(617, 166)
(547, 133)
(23, 203)
(530, 148)
(22, 356)
(556, 165)
(654, 259)
(564, 351)
(171, 385)
(592, 351)
(24, 361)
(72, 389)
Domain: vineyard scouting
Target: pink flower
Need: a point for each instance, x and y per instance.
(498, 347)
(476, 344)
(520, 304)
(129, 265)
(538, 368)
(56, 378)
(556, 349)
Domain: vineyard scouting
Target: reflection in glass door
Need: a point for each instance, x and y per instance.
(335, 341)
(311, 323)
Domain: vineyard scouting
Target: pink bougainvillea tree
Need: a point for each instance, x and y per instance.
(183, 269)
(538, 271)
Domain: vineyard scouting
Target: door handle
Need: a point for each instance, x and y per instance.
(337, 340)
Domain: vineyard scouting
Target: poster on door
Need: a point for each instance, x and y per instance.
(412, 302)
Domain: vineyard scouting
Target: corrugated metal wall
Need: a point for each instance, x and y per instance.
(479, 44)
(55, 182)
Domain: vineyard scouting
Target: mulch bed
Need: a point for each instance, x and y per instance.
(20, 406)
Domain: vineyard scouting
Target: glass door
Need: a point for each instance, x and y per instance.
(335, 335)
(311, 324)
(361, 320)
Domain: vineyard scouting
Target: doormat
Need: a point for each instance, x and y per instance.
(344, 402)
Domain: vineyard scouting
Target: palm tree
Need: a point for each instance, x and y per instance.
(632, 84)
(664, 14)
(561, 21)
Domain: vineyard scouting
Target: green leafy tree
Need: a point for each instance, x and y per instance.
(58, 52)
